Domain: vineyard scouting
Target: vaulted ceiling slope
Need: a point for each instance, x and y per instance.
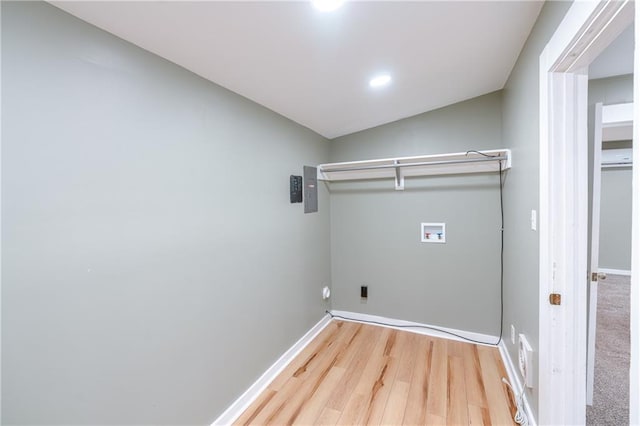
(314, 67)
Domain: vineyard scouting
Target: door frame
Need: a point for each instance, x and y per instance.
(586, 30)
(634, 382)
(596, 126)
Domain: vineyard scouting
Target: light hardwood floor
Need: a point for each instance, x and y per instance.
(358, 374)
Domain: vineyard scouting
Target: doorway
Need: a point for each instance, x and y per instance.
(610, 194)
(588, 28)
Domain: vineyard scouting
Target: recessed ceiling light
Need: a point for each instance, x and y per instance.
(327, 5)
(380, 80)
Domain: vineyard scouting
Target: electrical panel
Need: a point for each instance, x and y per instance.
(310, 189)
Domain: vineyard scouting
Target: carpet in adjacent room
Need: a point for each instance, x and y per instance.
(611, 379)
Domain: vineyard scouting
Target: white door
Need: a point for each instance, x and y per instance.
(595, 150)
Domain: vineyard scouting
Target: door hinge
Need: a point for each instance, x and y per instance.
(555, 298)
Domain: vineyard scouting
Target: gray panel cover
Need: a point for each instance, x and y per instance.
(310, 189)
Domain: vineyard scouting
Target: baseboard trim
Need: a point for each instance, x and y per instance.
(514, 379)
(408, 326)
(244, 401)
(615, 271)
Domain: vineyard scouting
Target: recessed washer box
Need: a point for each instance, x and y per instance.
(433, 232)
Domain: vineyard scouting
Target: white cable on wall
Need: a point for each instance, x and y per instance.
(520, 417)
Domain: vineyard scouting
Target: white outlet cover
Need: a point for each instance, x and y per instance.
(326, 293)
(513, 334)
(525, 360)
(534, 220)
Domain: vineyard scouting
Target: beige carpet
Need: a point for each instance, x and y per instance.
(611, 389)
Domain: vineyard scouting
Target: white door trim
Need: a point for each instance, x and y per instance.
(596, 131)
(634, 383)
(585, 31)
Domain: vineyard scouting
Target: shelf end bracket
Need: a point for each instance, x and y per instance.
(399, 177)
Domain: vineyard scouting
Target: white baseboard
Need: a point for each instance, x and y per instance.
(419, 328)
(514, 379)
(244, 401)
(615, 271)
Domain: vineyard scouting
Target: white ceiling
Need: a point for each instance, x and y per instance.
(617, 58)
(314, 67)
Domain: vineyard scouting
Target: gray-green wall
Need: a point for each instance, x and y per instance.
(152, 265)
(615, 201)
(520, 132)
(612, 90)
(148, 239)
(422, 275)
(375, 230)
(615, 219)
(410, 278)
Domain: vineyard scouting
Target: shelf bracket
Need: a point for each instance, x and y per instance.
(399, 177)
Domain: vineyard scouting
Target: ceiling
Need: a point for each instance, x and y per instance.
(314, 67)
(616, 59)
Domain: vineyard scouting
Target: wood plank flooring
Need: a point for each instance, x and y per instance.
(359, 374)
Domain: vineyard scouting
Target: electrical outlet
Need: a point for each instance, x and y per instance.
(513, 335)
(525, 360)
(364, 293)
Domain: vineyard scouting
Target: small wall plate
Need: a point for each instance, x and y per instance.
(433, 233)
